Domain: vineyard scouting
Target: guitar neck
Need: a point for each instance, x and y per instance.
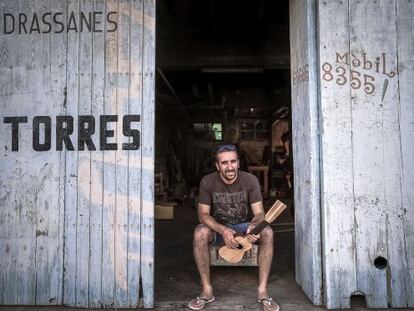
(259, 227)
(270, 216)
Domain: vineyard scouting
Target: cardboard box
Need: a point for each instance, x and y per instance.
(164, 211)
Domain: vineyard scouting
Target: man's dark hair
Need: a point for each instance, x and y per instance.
(224, 148)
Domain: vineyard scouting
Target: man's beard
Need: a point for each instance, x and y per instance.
(230, 171)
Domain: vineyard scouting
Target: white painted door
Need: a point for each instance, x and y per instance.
(361, 112)
(366, 98)
(77, 152)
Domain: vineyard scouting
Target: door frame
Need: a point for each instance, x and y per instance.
(306, 147)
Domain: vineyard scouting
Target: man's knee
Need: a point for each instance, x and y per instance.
(267, 235)
(202, 234)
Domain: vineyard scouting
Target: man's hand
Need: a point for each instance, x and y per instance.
(252, 238)
(228, 237)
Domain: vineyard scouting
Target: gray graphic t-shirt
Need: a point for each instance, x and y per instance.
(230, 204)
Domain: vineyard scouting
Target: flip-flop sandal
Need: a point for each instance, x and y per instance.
(269, 304)
(199, 303)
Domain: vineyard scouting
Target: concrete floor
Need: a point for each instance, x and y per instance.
(176, 277)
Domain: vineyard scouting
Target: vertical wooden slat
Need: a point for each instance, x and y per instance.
(71, 167)
(5, 224)
(134, 164)
(96, 204)
(405, 40)
(338, 236)
(304, 81)
(376, 150)
(368, 151)
(58, 67)
(9, 58)
(84, 164)
(122, 99)
(109, 186)
(24, 244)
(148, 112)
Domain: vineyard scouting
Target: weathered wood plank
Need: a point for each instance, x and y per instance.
(338, 236)
(25, 211)
(4, 223)
(375, 135)
(405, 37)
(71, 164)
(57, 82)
(84, 162)
(304, 81)
(8, 60)
(134, 164)
(148, 112)
(109, 186)
(96, 204)
(25, 222)
(122, 102)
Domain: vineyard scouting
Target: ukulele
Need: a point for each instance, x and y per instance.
(234, 255)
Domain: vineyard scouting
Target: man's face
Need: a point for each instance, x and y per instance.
(228, 165)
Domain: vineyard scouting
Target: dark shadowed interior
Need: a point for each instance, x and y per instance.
(223, 75)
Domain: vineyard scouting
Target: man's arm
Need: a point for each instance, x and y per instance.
(258, 213)
(206, 219)
(258, 217)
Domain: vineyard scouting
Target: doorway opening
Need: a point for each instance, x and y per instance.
(223, 76)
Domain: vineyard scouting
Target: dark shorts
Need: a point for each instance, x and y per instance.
(240, 228)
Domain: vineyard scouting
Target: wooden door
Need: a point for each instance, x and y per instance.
(77, 141)
(366, 74)
(305, 137)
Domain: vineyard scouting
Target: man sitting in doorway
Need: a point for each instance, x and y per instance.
(230, 202)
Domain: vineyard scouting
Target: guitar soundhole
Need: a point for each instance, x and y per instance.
(240, 246)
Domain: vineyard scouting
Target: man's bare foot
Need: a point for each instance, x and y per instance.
(205, 297)
(268, 304)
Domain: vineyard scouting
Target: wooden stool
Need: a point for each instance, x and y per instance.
(249, 258)
(160, 191)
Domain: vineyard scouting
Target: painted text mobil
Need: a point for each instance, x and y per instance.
(58, 22)
(353, 69)
(86, 134)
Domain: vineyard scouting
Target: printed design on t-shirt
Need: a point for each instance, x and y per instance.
(231, 208)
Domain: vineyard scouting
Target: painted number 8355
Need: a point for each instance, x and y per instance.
(354, 77)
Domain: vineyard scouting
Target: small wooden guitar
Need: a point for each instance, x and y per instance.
(234, 255)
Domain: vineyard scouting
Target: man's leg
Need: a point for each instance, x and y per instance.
(265, 257)
(202, 237)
